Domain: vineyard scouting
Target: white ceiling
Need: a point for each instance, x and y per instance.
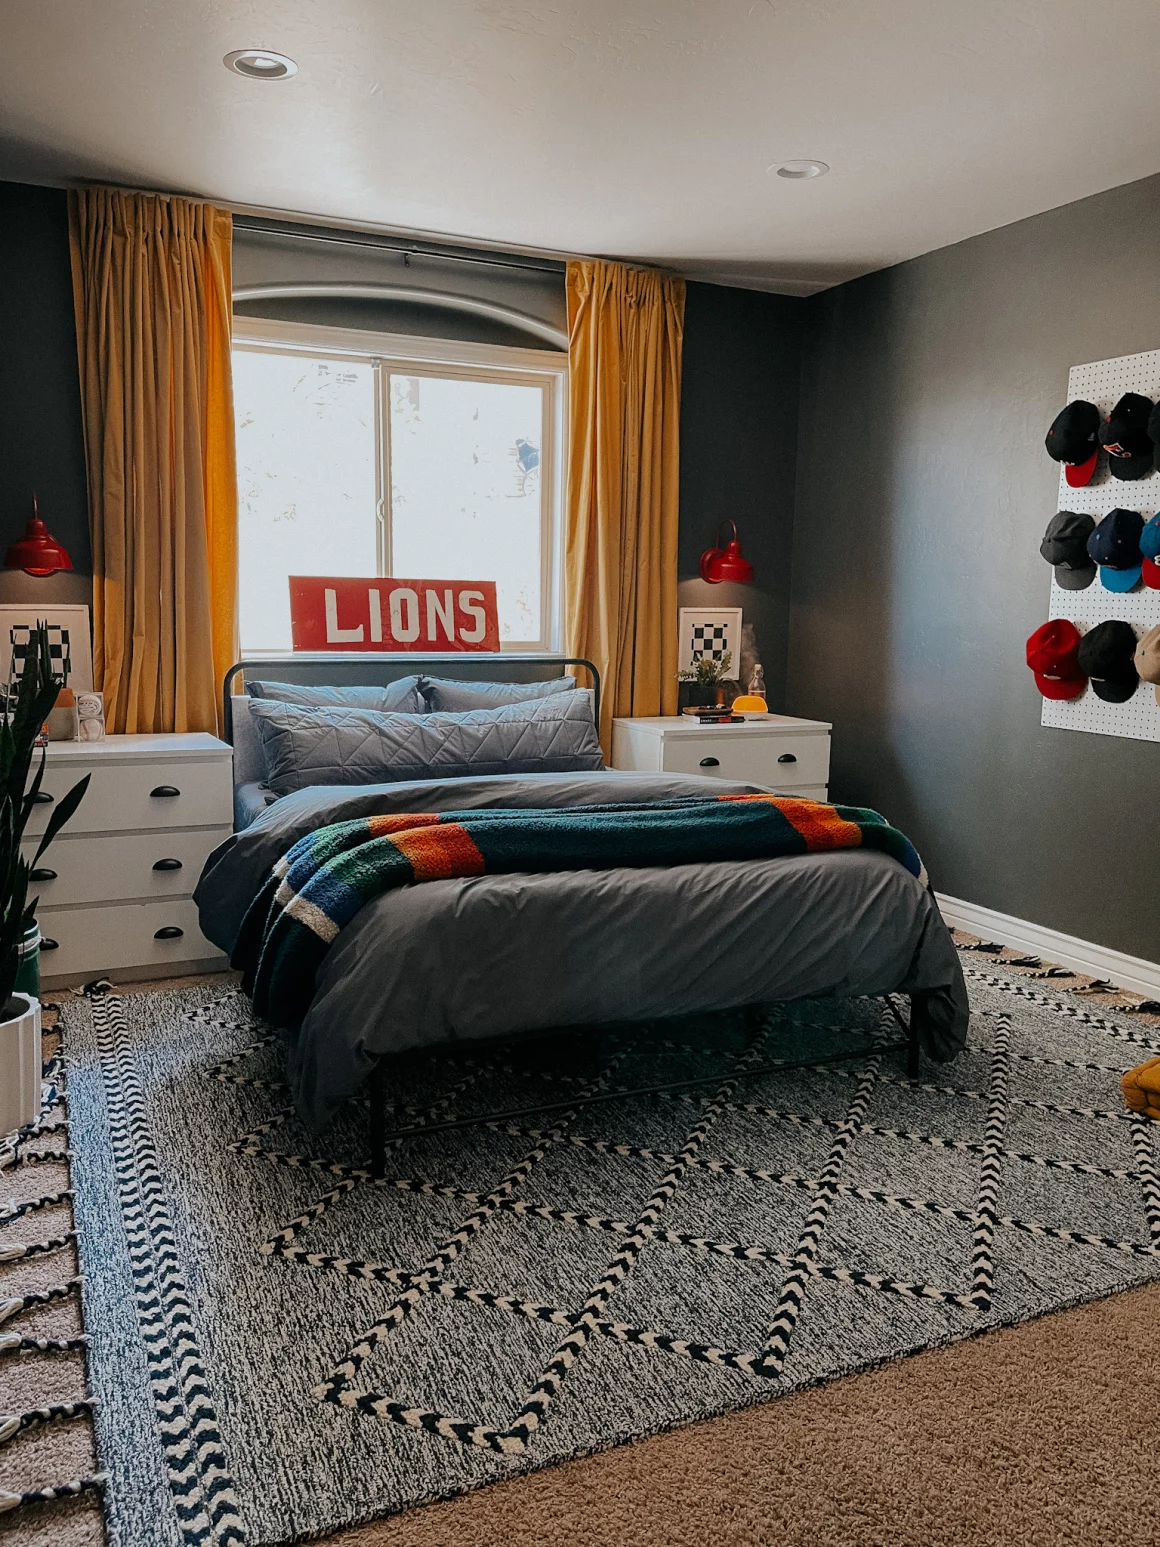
(627, 128)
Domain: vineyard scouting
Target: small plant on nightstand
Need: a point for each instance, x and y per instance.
(20, 725)
(704, 678)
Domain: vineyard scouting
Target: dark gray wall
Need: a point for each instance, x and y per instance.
(739, 416)
(923, 491)
(41, 437)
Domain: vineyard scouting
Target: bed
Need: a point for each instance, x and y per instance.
(474, 958)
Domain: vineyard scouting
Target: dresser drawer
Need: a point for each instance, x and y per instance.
(785, 761)
(123, 866)
(121, 795)
(89, 941)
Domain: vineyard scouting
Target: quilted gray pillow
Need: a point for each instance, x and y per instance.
(401, 697)
(450, 697)
(334, 745)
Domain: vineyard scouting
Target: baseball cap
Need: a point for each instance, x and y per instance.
(1073, 439)
(1064, 546)
(1150, 548)
(1115, 547)
(1053, 655)
(1147, 658)
(1106, 655)
(1124, 436)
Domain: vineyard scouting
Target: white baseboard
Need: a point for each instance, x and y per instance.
(1130, 972)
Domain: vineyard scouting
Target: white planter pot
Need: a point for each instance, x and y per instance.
(20, 1067)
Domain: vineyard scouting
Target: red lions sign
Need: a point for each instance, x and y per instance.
(331, 613)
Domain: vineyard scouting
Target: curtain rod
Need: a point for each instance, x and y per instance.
(375, 243)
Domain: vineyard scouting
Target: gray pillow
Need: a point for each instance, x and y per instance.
(401, 697)
(452, 697)
(334, 745)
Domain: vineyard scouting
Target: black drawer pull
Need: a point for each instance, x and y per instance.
(42, 798)
(167, 864)
(49, 945)
(170, 932)
(787, 757)
(164, 790)
(710, 762)
(42, 873)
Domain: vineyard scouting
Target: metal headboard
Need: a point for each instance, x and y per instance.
(355, 668)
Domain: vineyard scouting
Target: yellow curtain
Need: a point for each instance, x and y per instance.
(625, 330)
(152, 285)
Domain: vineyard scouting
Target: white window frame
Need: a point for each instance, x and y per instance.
(545, 368)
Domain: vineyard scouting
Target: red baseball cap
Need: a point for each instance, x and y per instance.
(1053, 655)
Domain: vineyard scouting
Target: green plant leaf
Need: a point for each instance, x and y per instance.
(64, 810)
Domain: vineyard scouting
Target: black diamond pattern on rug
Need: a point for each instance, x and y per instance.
(515, 1293)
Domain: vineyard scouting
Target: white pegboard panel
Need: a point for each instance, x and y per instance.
(1104, 382)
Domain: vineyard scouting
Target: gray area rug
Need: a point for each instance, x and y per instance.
(281, 1346)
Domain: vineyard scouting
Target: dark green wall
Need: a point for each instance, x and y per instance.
(923, 491)
(739, 415)
(41, 438)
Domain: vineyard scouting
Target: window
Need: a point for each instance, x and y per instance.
(376, 454)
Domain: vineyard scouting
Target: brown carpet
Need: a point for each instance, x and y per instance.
(1043, 1435)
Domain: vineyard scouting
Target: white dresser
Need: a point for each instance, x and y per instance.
(781, 753)
(116, 885)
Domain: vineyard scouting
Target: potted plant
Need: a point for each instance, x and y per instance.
(702, 683)
(21, 721)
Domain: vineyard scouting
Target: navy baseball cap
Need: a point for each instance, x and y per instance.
(1115, 547)
(1124, 436)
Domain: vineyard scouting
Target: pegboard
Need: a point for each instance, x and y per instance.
(1104, 382)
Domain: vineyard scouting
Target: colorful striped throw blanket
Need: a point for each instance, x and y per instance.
(328, 876)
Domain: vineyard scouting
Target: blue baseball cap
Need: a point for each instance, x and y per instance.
(1115, 547)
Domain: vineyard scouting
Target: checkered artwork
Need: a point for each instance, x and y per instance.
(709, 634)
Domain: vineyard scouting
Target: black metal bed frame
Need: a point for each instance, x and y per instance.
(404, 659)
(381, 1136)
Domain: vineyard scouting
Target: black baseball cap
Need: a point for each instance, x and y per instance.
(1115, 547)
(1106, 657)
(1064, 545)
(1124, 436)
(1074, 440)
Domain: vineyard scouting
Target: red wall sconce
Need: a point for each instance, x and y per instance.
(726, 563)
(37, 552)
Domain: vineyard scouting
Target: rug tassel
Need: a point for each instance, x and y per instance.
(12, 1424)
(10, 1308)
(21, 1249)
(14, 1343)
(45, 1201)
(69, 1490)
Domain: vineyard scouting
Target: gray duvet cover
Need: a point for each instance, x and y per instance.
(485, 956)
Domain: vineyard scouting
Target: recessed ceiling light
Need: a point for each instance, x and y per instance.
(260, 64)
(798, 170)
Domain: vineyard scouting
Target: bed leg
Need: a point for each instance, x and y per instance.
(912, 1048)
(377, 1085)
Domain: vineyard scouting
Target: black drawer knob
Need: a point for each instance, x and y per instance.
(42, 873)
(49, 945)
(167, 864)
(710, 762)
(170, 932)
(164, 791)
(787, 757)
(42, 798)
